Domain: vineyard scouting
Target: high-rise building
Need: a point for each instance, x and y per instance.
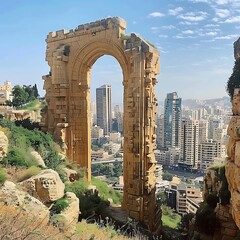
(93, 113)
(189, 143)
(203, 131)
(104, 108)
(160, 131)
(172, 121)
(208, 151)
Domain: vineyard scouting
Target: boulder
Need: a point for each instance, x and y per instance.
(237, 154)
(236, 207)
(231, 149)
(230, 171)
(66, 221)
(46, 186)
(234, 128)
(71, 174)
(3, 144)
(38, 158)
(10, 194)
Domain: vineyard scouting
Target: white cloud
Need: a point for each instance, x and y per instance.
(222, 13)
(235, 19)
(179, 36)
(216, 19)
(163, 36)
(222, 2)
(168, 27)
(156, 14)
(233, 3)
(187, 23)
(194, 17)
(185, 36)
(211, 33)
(226, 37)
(199, 1)
(175, 11)
(211, 25)
(187, 32)
(155, 28)
(203, 34)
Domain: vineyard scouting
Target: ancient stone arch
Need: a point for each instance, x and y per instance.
(70, 55)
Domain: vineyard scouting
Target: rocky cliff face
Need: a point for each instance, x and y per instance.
(233, 159)
(215, 183)
(233, 150)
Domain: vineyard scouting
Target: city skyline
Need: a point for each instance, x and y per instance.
(195, 39)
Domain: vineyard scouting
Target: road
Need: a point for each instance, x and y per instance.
(115, 160)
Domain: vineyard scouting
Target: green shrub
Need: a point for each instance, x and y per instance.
(32, 171)
(79, 187)
(234, 80)
(167, 176)
(206, 219)
(3, 176)
(89, 202)
(185, 221)
(212, 200)
(106, 192)
(22, 140)
(59, 205)
(18, 157)
(224, 193)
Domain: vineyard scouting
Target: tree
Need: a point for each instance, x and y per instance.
(167, 176)
(35, 90)
(29, 90)
(19, 96)
(161, 198)
(234, 80)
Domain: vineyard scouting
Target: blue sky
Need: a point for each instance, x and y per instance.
(195, 39)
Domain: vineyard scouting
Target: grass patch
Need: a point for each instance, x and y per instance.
(170, 222)
(88, 231)
(32, 171)
(59, 205)
(31, 106)
(3, 176)
(105, 192)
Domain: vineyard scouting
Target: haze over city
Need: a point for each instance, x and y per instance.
(194, 38)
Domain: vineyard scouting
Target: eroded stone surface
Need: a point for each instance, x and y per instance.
(233, 160)
(47, 186)
(212, 184)
(71, 174)
(69, 216)
(3, 144)
(10, 194)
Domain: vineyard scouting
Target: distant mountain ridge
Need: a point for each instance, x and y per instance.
(197, 103)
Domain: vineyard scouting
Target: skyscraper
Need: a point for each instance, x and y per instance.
(189, 145)
(172, 121)
(104, 108)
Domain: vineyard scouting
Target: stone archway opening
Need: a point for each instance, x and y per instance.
(107, 71)
(71, 55)
(106, 91)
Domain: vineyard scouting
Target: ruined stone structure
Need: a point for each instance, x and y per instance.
(233, 150)
(70, 55)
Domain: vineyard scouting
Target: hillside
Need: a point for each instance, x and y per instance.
(30, 156)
